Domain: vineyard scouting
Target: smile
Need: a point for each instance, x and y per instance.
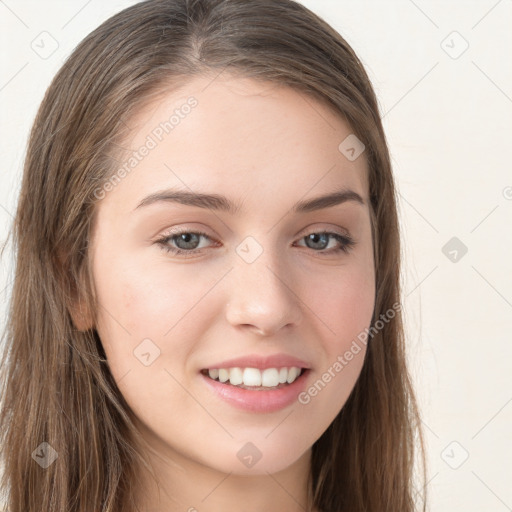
(257, 390)
(254, 378)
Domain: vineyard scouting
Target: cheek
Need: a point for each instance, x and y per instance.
(141, 302)
(343, 301)
(149, 299)
(149, 325)
(344, 305)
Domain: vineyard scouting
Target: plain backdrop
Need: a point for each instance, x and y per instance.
(445, 92)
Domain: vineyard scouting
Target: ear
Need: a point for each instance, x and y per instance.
(76, 304)
(80, 315)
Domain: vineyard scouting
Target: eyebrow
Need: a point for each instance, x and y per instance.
(222, 203)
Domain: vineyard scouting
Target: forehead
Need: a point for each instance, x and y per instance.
(236, 134)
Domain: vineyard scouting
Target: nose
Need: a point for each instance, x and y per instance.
(261, 296)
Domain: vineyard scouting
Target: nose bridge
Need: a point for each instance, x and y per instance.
(261, 291)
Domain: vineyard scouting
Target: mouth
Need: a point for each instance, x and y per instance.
(257, 390)
(255, 379)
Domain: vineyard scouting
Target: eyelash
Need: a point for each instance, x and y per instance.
(346, 242)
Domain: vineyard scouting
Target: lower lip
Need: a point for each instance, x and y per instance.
(259, 400)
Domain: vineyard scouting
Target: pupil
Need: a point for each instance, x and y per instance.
(314, 238)
(185, 237)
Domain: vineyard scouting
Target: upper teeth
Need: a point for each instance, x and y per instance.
(269, 377)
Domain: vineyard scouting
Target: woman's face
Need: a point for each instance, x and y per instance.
(261, 290)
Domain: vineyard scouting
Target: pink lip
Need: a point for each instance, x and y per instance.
(261, 401)
(255, 361)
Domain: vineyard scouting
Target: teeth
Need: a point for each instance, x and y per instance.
(236, 376)
(270, 377)
(292, 374)
(252, 377)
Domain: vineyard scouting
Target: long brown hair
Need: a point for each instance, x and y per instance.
(56, 386)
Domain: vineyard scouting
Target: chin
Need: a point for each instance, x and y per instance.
(258, 458)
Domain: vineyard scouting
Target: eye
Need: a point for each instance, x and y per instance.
(320, 240)
(187, 243)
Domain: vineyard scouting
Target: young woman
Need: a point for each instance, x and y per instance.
(206, 308)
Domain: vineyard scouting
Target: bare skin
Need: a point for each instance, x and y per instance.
(265, 148)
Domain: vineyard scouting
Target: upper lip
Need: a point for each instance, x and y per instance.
(261, 362)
